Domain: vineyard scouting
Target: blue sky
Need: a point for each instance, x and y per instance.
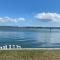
(30, 12)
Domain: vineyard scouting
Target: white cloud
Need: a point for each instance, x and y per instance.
(9, 19)
(46, 16)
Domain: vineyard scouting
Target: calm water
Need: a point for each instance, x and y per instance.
(33, 38)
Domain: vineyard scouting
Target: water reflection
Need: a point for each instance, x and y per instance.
(31, 38)
(43, 38)
(48, 39)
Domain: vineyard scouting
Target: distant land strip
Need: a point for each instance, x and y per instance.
(27, 27)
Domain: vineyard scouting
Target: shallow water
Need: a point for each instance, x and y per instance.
(31, 38)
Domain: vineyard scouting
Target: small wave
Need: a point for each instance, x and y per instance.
(21, 40)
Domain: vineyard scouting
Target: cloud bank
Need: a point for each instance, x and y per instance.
(9, 19)
(47, 16)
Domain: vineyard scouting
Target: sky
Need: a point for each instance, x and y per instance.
(30, 13)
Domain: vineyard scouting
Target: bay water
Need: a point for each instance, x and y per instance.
(31, 38)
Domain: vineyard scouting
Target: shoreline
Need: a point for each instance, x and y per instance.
(32, 49)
